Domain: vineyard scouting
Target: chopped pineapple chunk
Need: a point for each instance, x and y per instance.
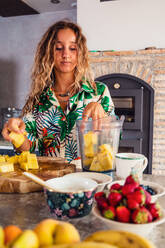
(95, 165)
(2, 158)
(90, 140)
(87, 161)
(5, 156)
(24, 166)
(106, 148)
(6, 167)
(105, 160)
(12, 159)
(23, 157)
(17, 139)
(28, 161)
(32, 161)
(89, 151)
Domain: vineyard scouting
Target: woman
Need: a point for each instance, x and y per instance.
(62, 92)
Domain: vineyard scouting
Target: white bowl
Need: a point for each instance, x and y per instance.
(72, 184)
(157, 187)
(141, 229)
(101, 178)
(72, 197)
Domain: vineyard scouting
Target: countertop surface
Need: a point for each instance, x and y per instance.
(5, 144)
(26, 210)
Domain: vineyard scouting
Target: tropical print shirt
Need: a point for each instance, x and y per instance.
(52, 130)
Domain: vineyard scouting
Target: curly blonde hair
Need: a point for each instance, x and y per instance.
(43, 67)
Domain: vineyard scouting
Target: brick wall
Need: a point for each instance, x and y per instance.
(148, 65)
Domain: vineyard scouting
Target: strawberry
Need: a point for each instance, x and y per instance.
(114, 198)
(139, 188)
(132, 204)
(109, 212)
(129, 188)
(141, 215)
(139, 196)
(132, 178)
(102, 203)
(148, 197)
(99, 195)
(155, 210)
(123, 214)
(115, 186)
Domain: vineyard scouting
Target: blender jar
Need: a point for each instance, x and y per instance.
(98, 143)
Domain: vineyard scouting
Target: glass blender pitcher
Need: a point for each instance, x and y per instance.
(98, 143)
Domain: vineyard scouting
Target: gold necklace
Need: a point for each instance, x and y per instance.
(62, 97)
(63, 94)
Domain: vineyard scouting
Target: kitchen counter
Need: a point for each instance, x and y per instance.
(26, 210)
(5, 144)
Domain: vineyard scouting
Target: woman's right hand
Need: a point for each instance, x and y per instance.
(13, 124)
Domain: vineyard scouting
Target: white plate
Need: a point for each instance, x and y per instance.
(141, 229)
(155, 186)
(101, 178)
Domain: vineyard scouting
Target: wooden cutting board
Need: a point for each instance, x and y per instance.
(16, 182)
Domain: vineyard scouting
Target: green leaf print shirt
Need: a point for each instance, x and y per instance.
(52, 130)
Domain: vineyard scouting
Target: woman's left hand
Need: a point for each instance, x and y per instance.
(93, 110)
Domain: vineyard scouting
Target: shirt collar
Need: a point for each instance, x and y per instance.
(49, 94)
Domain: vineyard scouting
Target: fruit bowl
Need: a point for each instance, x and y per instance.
(157, 188)
(72, 198)
(101, 179)
(141, 229)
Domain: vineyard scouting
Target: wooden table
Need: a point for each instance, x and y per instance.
(26, 210)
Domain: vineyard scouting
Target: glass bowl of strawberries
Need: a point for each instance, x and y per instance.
(128, 206)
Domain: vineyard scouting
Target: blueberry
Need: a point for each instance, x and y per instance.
(148, 189)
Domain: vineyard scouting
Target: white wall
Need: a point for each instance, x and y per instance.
(122, 24)
(19, 37)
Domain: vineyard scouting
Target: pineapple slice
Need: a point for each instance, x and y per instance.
(6, 167)
(106, 148)
(105, 160)
(24, 166)
(90, 140)
(2, 158)
(89, 151)
(12, 159)
(23, 157)
(95, 165)
(6, 157)
(32, 161)
(87, 161)
(17, 139)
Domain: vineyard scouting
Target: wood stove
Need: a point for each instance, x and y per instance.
(134, 99)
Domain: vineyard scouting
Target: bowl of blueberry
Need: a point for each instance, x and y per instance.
(156, 190)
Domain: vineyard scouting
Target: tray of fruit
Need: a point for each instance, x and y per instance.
(128, 206)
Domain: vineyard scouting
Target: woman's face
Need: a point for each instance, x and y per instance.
(65, 51)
